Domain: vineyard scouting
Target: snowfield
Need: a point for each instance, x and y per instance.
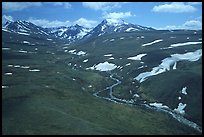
(106, 66)
(138, 57)
(153, 42)
(167, 62)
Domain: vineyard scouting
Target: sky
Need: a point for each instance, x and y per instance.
(159, 15)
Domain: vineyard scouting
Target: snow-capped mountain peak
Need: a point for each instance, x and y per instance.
(112, 25)
(6, 20)
(115, 22)
(74, 32)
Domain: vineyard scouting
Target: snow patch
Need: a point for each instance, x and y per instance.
(106, 66)
(184, 44)
(81, 53)
(23, 51)
(34, 70)
(180, 108)
(136, 95)
(26, 42)
(9, 73)
(111, 58)
(6, 48)
(72, 51)
(184, 91)
(129, 29)
(4, 86)
(158, 105)
(86, 60)
(90, 86)
(167, 62)
(142, 67)
(127, 64)
(153, 42)
(17, 66)
(108, 55)
(138, 57)
(23, 33)
(25, 67)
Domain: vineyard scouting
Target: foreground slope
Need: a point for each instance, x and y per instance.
(57, 99)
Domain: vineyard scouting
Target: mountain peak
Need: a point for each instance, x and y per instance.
(114, 21)
(77, 25)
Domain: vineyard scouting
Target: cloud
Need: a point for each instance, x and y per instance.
(56, 23)
(48, 24)
(193, 24)
(66, 5)
(18, 6)
(194, 3)
(86, 23)
(118, 15)
(190, 25)
(174, 7)
(104, 6)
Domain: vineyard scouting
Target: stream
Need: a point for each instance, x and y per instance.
(131, 102)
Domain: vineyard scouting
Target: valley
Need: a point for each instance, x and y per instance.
(124, 82)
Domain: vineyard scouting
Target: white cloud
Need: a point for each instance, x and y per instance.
(194, 3)
(47, 24)
(190, 25)
(56, 23)
(18, 6)
(86, 23)
(104, 6)
(174, 7)
(66, 5)
(118, 15)
(194, 24)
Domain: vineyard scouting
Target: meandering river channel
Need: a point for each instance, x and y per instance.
(145, 104)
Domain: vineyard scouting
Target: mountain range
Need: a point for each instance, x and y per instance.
(74, 32)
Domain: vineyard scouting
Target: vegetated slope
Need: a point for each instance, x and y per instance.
(57, 100)
(165, 87)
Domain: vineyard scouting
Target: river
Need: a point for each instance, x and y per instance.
(145, 104)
